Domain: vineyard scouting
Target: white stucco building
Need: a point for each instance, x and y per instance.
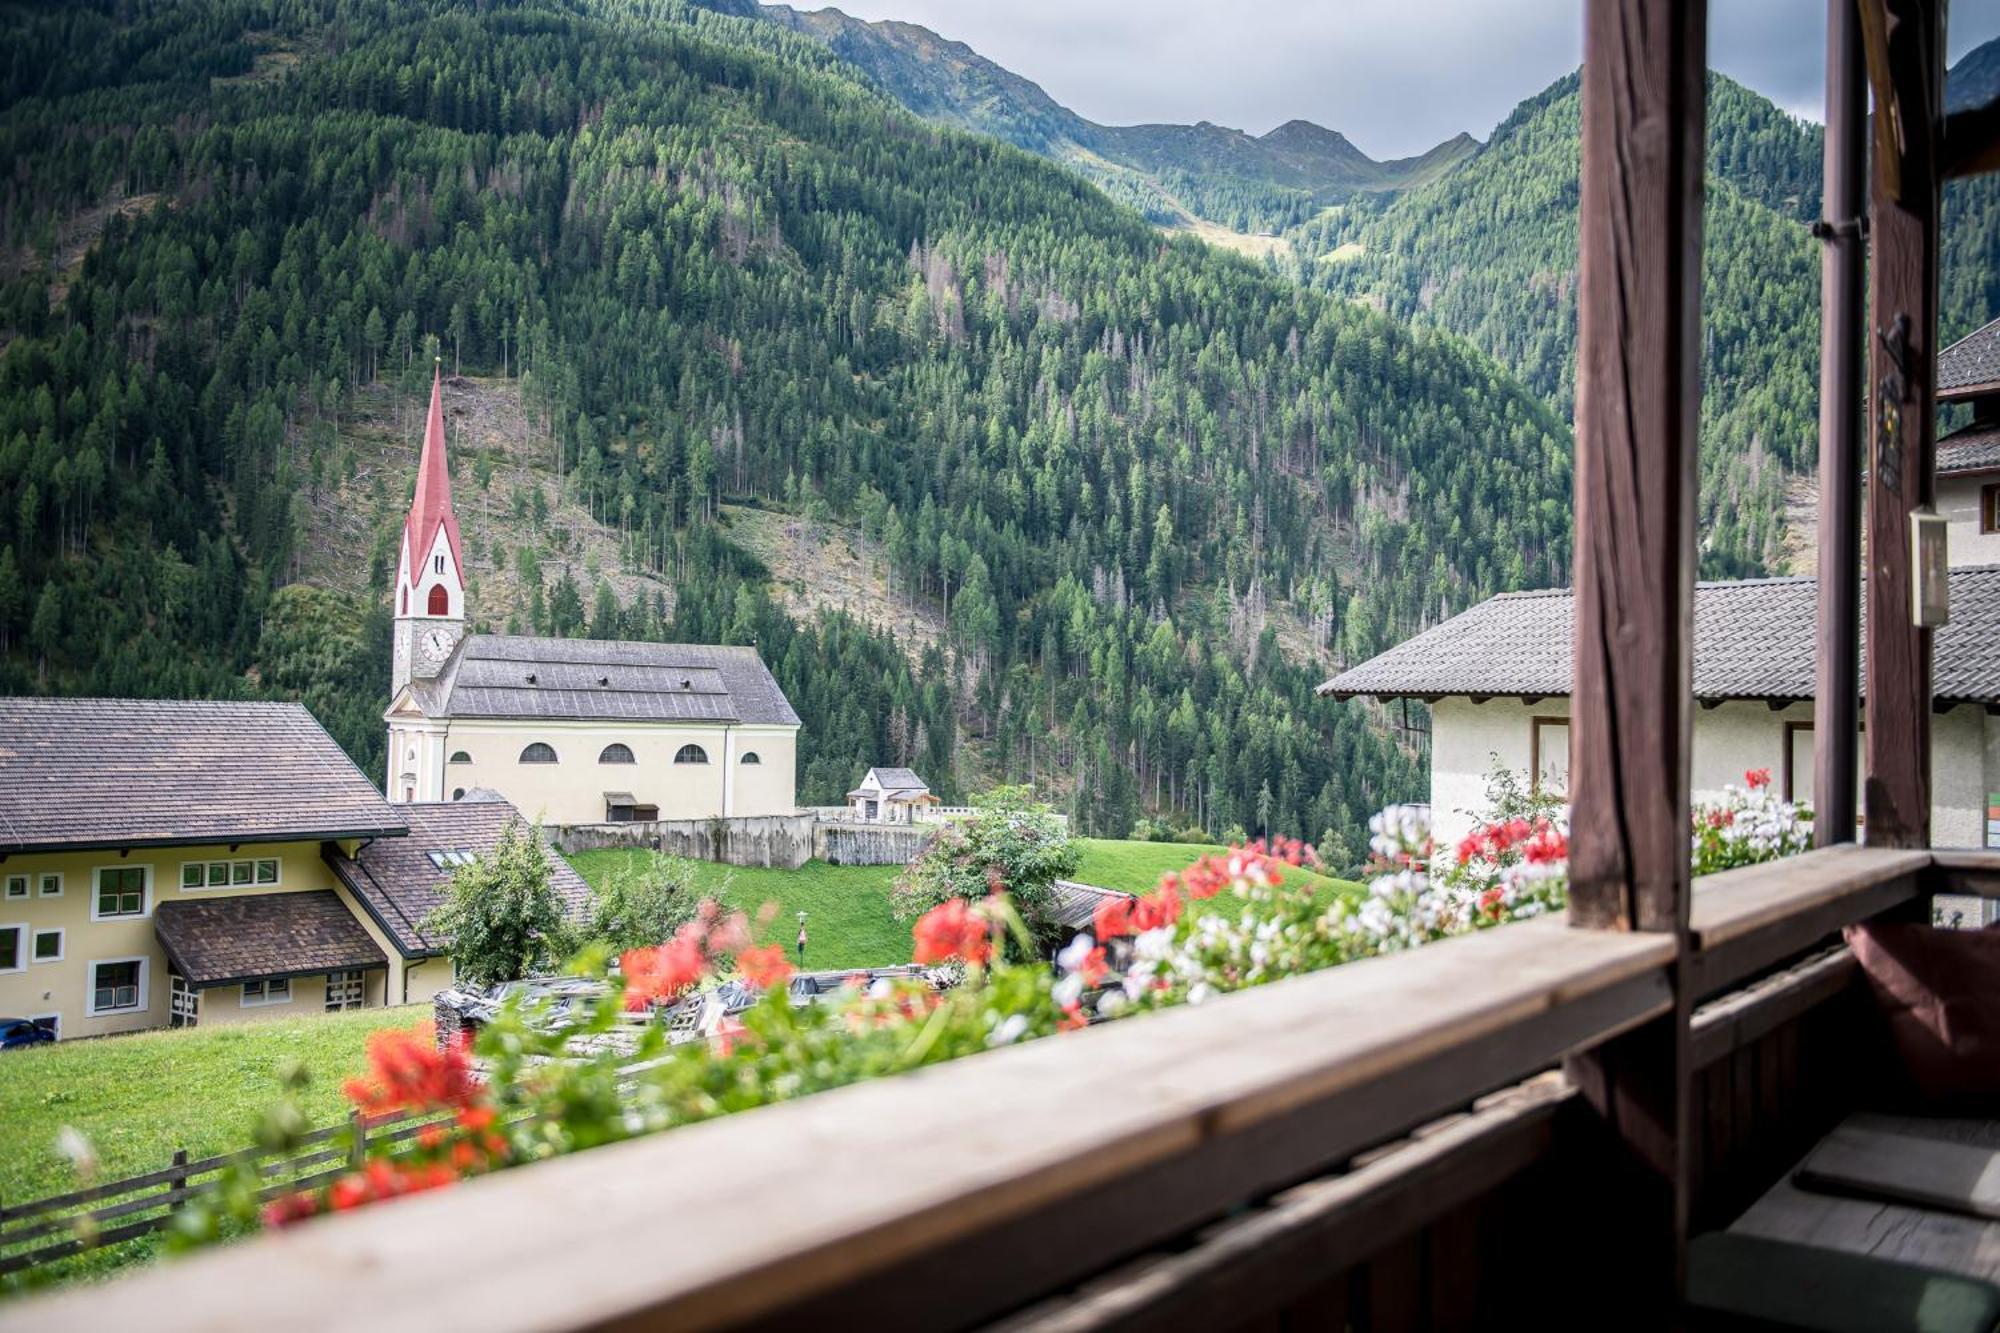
(570, 731)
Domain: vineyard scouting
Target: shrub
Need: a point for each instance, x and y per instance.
(1011, 845)
(642, 903)
(502, 912)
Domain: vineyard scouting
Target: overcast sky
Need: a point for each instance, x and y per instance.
(1395, 76)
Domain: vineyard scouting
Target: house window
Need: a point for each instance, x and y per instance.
(440, 599)
(229, 874)
(691, 754)
(1989, 507)
(615, 753)
(13, 948)
(1797, 769)
(450, 857)
(49, 946)
(538, 753)
(345, 990)
(183, 1002)
(459, 757)
(17, 886)
(121, 891)
(273, 990)
(1548, 756)
(750, 757)
(51, 885)
(118, 986)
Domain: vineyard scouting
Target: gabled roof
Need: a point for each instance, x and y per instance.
(512, 676)
(399, 885)
(1973, 449)
(431, 507)
(899, 783)
(1753, 639)
(83, 773)
(1970, 367)
(236, 938)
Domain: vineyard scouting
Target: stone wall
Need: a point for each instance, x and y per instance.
(783, 841)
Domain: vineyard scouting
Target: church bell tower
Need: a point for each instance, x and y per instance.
(430, 579)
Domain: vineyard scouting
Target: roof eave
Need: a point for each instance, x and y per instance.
(233, 838)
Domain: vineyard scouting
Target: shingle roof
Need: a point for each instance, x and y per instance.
(1076, 903)
(508, 676)
(79, 773)
(900, 779)
(229, 939)
(1754, 639)
(399, 885)
(1971, 364)
(1974, 449)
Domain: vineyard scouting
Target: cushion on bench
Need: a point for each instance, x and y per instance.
(1754, 1282)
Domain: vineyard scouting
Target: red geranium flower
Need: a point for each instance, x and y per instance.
(952, 929)
(409, 1071)
(764, 967)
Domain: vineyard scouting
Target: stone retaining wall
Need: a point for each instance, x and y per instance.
(783, 841)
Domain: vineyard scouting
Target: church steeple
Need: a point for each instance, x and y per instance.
(430, 582)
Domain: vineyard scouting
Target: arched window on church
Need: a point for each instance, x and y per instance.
(459, 757)
(440, 600)
(615, 753)
(750, 757)
(538, 753)
(406, 601)
(437, 562)
(691, 754)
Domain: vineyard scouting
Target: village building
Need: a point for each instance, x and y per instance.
(571, 731)
(167, 863)
(890, 796)
(1496, 677)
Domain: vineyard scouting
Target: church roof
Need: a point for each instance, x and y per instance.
(431, 508)
(1970, 367)
(1753, 639)
(86, 773)
(513, 676)
(401, 882)
(248, 937)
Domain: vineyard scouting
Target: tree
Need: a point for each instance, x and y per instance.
(1012, 844)
(502, 913)
(643, 903)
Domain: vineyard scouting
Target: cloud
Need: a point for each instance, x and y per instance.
(1395, 76)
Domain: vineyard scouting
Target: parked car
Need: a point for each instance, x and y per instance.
(19, 1032)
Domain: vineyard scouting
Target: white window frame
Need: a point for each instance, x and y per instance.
(42, 883)
(53, 1022)
(265, 998)
(23, 949)
(62, 943)
(231, 865)
(145, 897)
(22, 878)
(90, 1008)
(338, 983)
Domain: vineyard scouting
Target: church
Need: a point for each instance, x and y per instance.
(571, 731)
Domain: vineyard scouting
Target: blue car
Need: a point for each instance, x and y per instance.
(18, 1032)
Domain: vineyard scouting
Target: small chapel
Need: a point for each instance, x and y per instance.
(571, 731)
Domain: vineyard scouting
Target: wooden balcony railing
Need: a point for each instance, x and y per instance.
(1266, 1151)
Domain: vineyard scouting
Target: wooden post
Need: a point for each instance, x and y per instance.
(1637, 408)
(177, 1183)
(1903, 41)
(357, 1152)
(1836, 703)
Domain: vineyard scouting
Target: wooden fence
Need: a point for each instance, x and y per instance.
(115, 1211)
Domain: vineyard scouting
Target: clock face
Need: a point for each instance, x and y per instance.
(437, 644)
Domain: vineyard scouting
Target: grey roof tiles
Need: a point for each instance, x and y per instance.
(1754, 639)
(1973, 449)
(1970, 364)
(509, 676)
(245, 937)
(82, 773)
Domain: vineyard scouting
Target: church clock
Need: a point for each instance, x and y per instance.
(434, 645)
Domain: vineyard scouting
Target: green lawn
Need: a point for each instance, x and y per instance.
(848, 923)
(1136, 867)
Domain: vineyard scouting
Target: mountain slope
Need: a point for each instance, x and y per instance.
(713, 271)
(1489, 253)
(1169, 172)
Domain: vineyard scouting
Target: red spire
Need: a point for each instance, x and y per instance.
(432, 506)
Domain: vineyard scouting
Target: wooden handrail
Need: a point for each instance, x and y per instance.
(1743, 921)
(1091, 1146)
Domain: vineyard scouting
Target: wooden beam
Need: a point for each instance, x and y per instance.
(1904, 40)
(1637, 408)
(1837, 699)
